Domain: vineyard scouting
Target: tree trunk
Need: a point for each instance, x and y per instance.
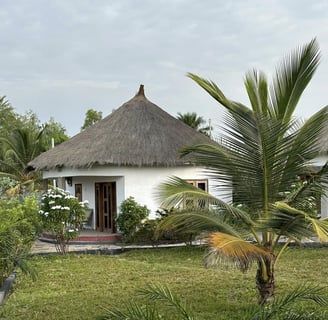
(265, 280)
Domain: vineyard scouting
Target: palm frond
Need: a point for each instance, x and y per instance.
(134, 311)
(228, 248)
(296, 223)
(303, 292)
(166, 296)
(282, 307)
(218, 95)
(194, 223)
(257, 90)
(292, 77)
(175, 191)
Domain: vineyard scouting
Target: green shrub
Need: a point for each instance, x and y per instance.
(19, 227)
(148, 232)
(172, 235)
(130, 218)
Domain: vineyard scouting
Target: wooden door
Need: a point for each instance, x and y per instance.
(105, 193)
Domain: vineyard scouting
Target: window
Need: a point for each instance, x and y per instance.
(201, 184)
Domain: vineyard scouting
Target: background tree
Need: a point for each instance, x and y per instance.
(91, 117)
(18, 149)
(262, 155)
(53, 130)
(8, 118)
(196, 122)
(22, 138)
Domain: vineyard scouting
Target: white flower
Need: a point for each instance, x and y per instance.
(41, 212)
(58, 207)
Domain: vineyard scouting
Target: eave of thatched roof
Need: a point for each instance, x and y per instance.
(323, 143)
(139, 133)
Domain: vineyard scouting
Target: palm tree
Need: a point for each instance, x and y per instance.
(196, 122)
(263, 156)
(18, 149)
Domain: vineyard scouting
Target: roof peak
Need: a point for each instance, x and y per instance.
(141, 92)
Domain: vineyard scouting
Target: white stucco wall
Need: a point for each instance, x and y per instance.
(140, 183)
(319, 162)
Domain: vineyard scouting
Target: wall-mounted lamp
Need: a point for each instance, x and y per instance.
(69, 181)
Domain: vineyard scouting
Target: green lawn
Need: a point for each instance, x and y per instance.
(79, 286)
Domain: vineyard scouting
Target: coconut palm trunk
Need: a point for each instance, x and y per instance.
(264, 159)
(265, 279)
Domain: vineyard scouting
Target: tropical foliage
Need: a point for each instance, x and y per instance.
(19, 227)
(53, 134)
(22, 138)
(62, 214)
(91, 117)
(162, 303)
(130, 218)
(264, 157)
(18, 149)
(196, 122)
(173, 307)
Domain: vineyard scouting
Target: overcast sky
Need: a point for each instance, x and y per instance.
(59, 58)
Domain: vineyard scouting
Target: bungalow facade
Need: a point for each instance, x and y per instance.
(128, 153)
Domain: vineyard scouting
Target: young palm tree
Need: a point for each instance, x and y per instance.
(262, 156)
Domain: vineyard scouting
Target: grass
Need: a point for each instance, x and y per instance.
(80, 286)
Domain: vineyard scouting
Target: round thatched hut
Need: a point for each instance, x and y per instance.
(128, 153)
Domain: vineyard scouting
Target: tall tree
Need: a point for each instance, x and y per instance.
(53, 130)
(91, 117)
(196, 122)
(23, 137)
(8, 117)
(262, 156)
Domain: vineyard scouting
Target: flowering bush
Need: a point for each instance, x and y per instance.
(62, 214)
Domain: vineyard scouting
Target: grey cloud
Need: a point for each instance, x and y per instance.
(60, 57)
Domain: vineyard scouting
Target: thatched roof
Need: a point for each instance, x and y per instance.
(139, 133)
(323, 144)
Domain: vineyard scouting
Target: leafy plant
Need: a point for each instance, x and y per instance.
(149, 232)
(171, 307)
(162, 304)
(19, 227)
(283, 308)
(263, 154)
(130, 218)
(62, 214)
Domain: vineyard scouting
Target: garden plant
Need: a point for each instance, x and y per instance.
(19, 227)
(264, 159)
(62, 214)
(161, 303)
(131, 218)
